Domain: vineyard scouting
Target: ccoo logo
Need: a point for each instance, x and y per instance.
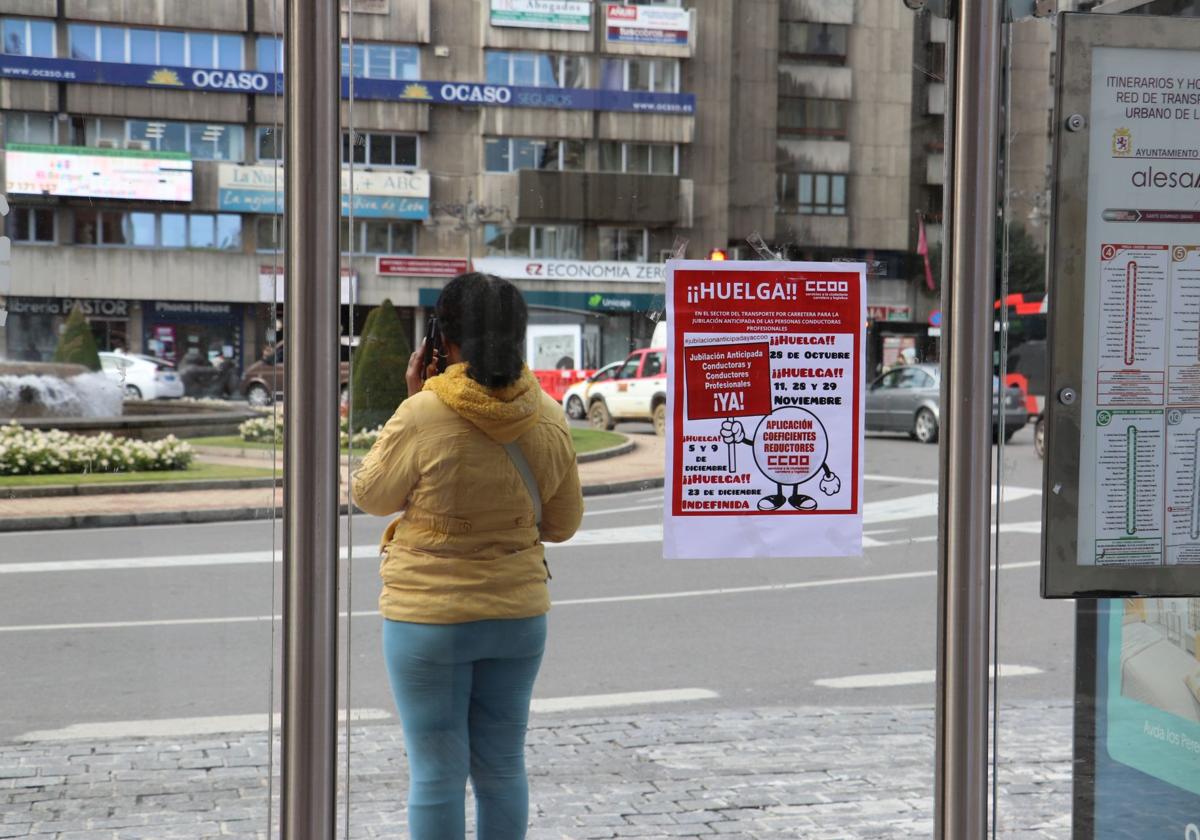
(820, 286)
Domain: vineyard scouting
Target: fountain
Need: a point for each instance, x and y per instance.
(41, 395)
(30, 390)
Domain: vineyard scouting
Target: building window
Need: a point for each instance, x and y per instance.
(33, 38)
(202, 141)
(137, 229)
(268, 234)
(535, 69)
(935, 62)
(624, 244)
(126, 45)
(657, 75)
(644, 158)
(508, 154)
(371, 60)
(812, 193)
(382, 61)
(30, 225)
(823, 42)
(376, 149)
(379, 237)
(20, 127)
(269, 142)
(268, 54)
(814, 117)
(550, 242)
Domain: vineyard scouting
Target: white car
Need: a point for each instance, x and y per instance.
(575, 400)
(142, 377)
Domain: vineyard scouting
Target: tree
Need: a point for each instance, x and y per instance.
(76, 345)
(1026, 262)
(377, 383)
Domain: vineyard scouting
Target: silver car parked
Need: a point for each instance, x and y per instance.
(906, 399)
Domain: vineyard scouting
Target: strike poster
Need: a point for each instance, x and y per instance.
(1139, 493)
(765, 427)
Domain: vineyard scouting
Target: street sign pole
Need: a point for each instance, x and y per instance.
(964, 515)
(311, 207)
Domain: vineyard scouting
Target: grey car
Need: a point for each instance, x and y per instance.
(906, 399)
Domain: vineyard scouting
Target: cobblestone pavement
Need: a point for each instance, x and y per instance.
(766, 773)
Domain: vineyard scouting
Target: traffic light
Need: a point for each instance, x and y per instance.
(718, 254)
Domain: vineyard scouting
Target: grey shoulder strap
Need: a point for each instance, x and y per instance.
(522, 465)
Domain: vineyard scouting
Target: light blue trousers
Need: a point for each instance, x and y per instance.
(463, 693)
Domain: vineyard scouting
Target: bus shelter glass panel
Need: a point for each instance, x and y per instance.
(141, 400)
(1093, 711)
(724, 694)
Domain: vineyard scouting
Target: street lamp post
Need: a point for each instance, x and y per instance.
(468, 217)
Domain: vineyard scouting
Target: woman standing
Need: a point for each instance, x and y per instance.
(474, 458)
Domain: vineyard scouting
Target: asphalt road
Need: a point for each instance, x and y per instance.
(145, 624)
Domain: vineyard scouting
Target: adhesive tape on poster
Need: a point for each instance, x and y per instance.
(790, 445)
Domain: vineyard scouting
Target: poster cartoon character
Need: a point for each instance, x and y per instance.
(790, 448)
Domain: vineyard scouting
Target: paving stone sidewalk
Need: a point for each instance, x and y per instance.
(766, 773)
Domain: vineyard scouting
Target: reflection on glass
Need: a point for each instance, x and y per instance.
(229, 52)
(172, 48)
(268, 55)
(174, 230)
(82, 42)
(202, 48)
(200, 231)
(112, 43)
(143, 46)
(23, 36)
(377, 238)
(30, 128)
(140, 229)
(229, 232)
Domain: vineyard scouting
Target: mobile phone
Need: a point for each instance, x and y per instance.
(433, 341)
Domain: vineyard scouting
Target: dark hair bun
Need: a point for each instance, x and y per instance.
(486, 317)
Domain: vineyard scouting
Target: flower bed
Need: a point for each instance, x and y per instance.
(266, 429)
(34, 452)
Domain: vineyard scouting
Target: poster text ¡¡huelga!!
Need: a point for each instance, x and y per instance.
(764, 392)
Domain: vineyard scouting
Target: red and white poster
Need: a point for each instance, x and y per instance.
(765, 429)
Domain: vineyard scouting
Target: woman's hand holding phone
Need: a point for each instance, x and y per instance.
(418, 371)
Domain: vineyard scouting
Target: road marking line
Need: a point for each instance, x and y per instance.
(899, 479)
(176, 727)
(900, 509)
(925, 505)
(610, 701)
(163, 562)
(657, 506)
(899, 678)
(1033, 526)
(570, 602)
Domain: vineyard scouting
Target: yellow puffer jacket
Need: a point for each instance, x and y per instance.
(466, 546)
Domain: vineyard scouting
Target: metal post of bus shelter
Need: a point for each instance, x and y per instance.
(310, 466)
(964, 516)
